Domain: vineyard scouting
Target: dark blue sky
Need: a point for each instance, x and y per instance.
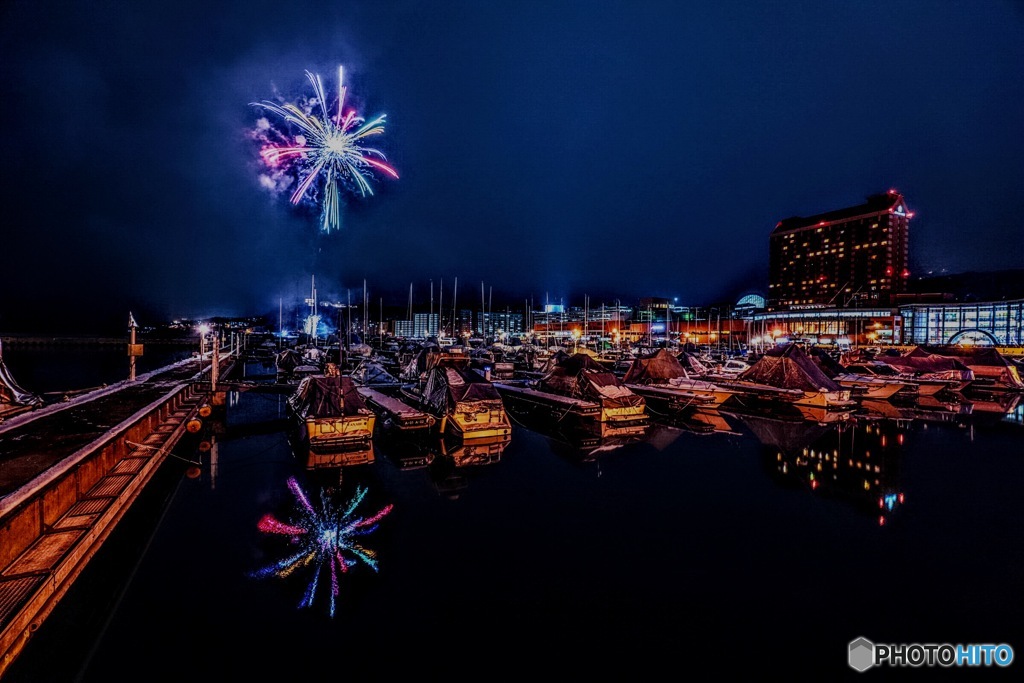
(550, 148)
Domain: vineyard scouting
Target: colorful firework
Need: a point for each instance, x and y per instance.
(326, 539)
(323, 154)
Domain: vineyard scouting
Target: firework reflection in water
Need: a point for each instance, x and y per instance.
(326, 537)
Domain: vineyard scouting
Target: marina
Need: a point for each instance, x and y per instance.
(883, 478)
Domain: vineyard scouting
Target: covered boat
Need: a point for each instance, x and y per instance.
(992, 370)
(659, 377)
(933, 373)
(464, 402)
(334, 424)
(582, 377)
(788, 374)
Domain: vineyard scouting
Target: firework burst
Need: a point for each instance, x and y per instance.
(326, 539)
(319, 151)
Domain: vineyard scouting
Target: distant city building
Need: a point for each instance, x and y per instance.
(997, 323)
(404, 328)
(425, 325)
(857, 256)
(750, 303)
(490, 324)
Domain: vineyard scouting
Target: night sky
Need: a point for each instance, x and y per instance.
(550, 149)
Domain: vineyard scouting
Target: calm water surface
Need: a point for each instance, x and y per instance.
(761, 547)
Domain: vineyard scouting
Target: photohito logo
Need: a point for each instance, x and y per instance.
(863, 654)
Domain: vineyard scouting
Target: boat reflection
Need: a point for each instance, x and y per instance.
(997, 402)
(479, 451)
(699, 420)
(858, 462)
(454, 462)
(579, 441)
(329, 469)
(927, 409)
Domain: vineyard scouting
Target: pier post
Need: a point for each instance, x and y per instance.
(134, 350)
(215, 367)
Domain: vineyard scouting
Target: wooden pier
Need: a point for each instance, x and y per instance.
(395, 412)
(563, 405)
(672, 399)
(61, 498)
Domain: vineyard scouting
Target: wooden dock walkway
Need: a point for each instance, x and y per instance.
(70, 472)
(564, 404)
(395, 412)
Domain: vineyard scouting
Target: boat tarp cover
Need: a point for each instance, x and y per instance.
(327, 396)
(789, 367)
(984, 361)
(556, 359)
(449, 386)
(11, 393)
(829, 365)
(373, 372)
(429, 354)
(924, 365)
(654, 368)
(580, 376)
(690, 361)
(288, 359)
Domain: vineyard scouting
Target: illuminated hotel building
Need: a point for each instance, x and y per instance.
(855, 256)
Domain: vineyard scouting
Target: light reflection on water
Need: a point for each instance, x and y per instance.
(720, 531)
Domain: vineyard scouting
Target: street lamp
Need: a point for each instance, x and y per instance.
(203, 330)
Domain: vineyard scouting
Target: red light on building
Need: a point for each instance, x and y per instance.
(905, 273)
(888, 270)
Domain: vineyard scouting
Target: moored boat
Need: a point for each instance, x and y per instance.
(662, 380)
(333, 424)
(465, 404)
(787, 374)
(583, 378)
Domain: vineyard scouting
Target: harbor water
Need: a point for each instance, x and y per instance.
(728, 542)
